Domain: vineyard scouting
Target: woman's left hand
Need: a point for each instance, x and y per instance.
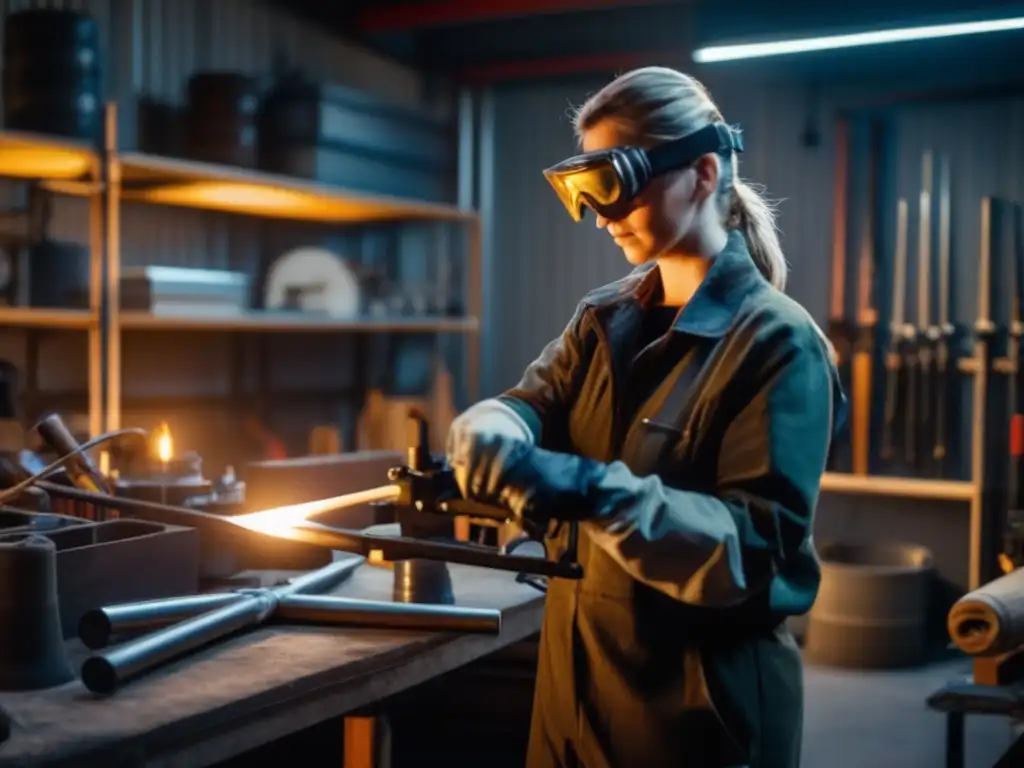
(536, 485)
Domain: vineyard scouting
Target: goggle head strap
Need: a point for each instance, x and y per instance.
(679, 153)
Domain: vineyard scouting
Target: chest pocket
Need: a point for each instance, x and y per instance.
(660, 442)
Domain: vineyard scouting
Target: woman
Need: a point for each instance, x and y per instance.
(683, 418)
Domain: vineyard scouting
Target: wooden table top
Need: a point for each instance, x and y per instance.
(258, 686)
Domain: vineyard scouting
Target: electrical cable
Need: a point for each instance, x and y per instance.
(16, 490)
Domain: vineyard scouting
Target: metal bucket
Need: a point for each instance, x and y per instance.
(872, 606)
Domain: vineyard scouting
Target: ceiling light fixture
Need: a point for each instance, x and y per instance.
(717, 53)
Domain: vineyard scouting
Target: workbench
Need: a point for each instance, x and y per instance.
(963, 697)
(259, 686)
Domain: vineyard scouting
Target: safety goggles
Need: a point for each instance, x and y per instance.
(607, 181)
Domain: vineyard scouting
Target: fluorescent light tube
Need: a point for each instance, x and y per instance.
(834, 42)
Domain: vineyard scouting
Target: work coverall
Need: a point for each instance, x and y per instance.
(671, 651)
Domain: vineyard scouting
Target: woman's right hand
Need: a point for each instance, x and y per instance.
(472, 428)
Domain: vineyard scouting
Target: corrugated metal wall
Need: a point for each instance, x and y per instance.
(152, 46)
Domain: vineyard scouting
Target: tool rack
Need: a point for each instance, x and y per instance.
(979, 366)
(106, 176)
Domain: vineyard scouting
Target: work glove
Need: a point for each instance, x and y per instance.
(488, 417)
(536, 485)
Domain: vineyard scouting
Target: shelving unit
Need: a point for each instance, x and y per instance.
(43, 318)
(109, 177)
(291, 322)
(897, 487)
(189, 184)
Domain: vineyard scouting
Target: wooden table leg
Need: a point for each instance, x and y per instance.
(954, 740)
(367, 742)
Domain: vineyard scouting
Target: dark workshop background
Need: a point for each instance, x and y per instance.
(507, 80)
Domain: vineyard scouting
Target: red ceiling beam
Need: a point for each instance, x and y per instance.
(438, 13)
(565, 66)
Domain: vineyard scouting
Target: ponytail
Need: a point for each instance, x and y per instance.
(750, 212)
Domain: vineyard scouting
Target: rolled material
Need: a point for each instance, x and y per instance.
(375, 614)
(990, 620)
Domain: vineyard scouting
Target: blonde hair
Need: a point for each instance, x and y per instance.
(656, 104)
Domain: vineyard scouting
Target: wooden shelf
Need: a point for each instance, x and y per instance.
(295, 322)
(897, 487)
(38, 317)
(69, 399)
(57, 160)
(190, 184)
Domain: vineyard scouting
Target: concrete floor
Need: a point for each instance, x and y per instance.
(860, 719)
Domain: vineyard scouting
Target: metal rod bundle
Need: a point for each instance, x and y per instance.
(920, 369)
(103, 673)
(210, 618)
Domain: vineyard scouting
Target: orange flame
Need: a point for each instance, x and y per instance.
(164, 443)
(280, 520)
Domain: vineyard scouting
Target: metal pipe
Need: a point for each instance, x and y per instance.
(375, 614)
(97, 626)
(321, 579)
(104, 673)
(401, 548)
(146, 510)
(394, 548)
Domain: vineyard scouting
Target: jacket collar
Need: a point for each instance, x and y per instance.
(716, 303)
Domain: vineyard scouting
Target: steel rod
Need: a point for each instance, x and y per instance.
(375, 614)
(395, 548)
(921, 421)
(103, 673)
(984, 330)
(897, 335)
(401, 548)
(97, 626)
(945, 370)
(321, 579)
